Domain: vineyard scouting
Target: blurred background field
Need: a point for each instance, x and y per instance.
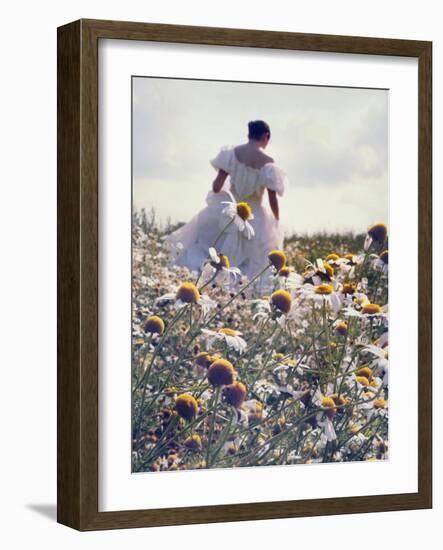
(300, 247)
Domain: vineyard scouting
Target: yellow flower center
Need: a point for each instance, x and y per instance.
(186, 406)
(277, 259)
(154, 325)
(341, 328)
(366, 372)
(203, 359)
(244, 210)
(221, 373)
(380, 404)
(349, 288)
(255, 415)
(339, 400)
(188, 293)
(329, 404)
(324, 289)
(351, 258)
(232, 448)
(193, 442)
(282, 300)
(228, 331)
(279, 356)
(224, 261)
(285, 271)
(235, 394)
(329, 269)
(371, 309)
(378, 232)
(362, 380)
(332, 257)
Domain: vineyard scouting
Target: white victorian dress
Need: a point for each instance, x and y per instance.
(191, 242)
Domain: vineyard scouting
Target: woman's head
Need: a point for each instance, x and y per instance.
(259, 131)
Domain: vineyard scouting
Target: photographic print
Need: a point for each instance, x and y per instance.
(259, 274)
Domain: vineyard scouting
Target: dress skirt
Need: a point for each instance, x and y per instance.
(189, 245)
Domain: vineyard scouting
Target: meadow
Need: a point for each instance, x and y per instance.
(226, 375)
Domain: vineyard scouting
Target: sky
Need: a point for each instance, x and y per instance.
(331, 142)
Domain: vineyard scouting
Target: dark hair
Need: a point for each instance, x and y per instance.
(257, 128)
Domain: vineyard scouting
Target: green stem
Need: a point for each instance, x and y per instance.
(268, 356)
(224, 436)
(209, 282)
(174, 320)
(145, 377)
(340, 359)
(212, 424)
(217, 313)
(222, 231)
(148, 349)
(252, 281)
(157, 451)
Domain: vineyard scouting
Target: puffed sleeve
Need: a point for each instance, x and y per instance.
(274, 178)
(223, 160)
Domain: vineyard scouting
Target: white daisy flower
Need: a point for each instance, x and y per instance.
(380, 262)
(349, 262)
(322, 293)
(328, 428)
(366, 310)
(382, 355)
(231, 445)
(380, 351)
(254, 407)
(240, 213)
(219, 264)
(263, 308)
(293, 456)
(355, 442)
(188, 293)
(320, 272)
(232, 338)
(288, 279)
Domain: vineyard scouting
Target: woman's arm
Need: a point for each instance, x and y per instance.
(219, 181)
(273, 203)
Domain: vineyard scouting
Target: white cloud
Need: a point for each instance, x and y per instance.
(332, 142)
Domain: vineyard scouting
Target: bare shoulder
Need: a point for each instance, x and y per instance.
(240, 148)
(262, 159)
(251, 156)
(266, 158)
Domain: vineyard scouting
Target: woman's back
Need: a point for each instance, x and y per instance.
(251, 156)
(250, 171)
(243, 173)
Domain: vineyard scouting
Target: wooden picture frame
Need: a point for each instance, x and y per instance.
(78, 273)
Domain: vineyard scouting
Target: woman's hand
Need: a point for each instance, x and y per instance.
(219, 181)
(273, 203)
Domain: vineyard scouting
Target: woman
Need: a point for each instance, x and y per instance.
(225, 225)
